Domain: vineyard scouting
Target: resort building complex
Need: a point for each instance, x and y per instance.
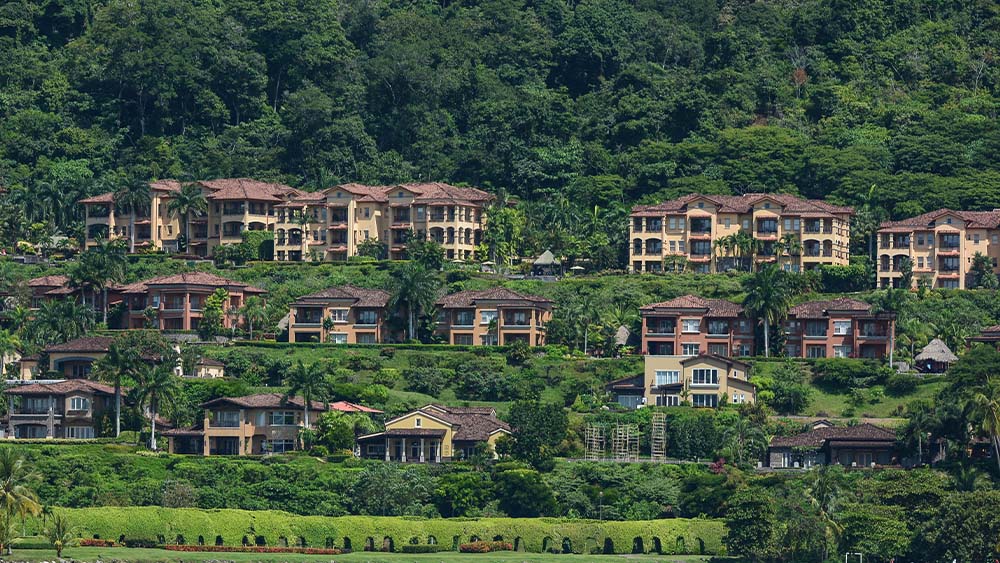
(714, 233)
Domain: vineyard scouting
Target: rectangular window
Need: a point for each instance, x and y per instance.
(465, 318)
(672, 223)
(920, 261)
(705, 401)
(689, 349)
(487, 317)
(260, 419)
(788, 224)
(718, 349)
(816, 328)
(367, 317)
(281, 418)
(691, 326)
(680, 246)
(226, 419)
(718, 327)
(489, 340)
(995, 239)
(80, 432)
(746, 224)
(975, 239)
(815, 351)
(463, 339)
(673, 246)
(338, 315)
(79, 404)
(704, 376)
(793, 350)
(920, 240)
(727, 222)
(278, 446)
(366, 338)
(841, 328)
(667, 400)
(667, 377)
(841, 351)
(367, 214)
(743, 350)
(338, 338)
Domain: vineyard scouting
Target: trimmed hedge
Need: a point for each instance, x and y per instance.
(273, 528)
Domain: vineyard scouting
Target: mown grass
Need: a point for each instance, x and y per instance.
(136, 555)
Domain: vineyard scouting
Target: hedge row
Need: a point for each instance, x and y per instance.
(274, 528)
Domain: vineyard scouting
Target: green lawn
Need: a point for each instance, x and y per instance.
(130, 555)
(834, 405)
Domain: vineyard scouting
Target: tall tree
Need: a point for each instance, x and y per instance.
(132, 197)
(155, 387)
(253, 312)
(307, 381)
(17, 498)
(414, 288)
(128, 357)
(187, 201)
(769, 296)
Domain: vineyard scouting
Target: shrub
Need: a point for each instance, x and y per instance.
(253, 549)
(319, 451)
(94, 542)
(901, 384)
(141, 542)
(485, 546)
(436, 548)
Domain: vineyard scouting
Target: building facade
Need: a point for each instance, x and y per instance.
(704, 380)
(341, 315)
(861, 446)
(838, 328)
(692, 325)
(331, 224)
(695, 231)
(491, 317)
(940, 246)
(250, 425)
(177, 301)
(434, 433)
(64, 409)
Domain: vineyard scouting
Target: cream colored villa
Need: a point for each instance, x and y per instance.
(434, 433)
(328, 225)
(940, 244)
(690, 231)
(705, 380)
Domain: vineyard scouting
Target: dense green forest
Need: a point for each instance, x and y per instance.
(580, 108)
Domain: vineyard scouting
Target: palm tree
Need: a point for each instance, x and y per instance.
(744, 439)
(414, 288)
(155, 386)
(253, 311)
(98, 268)
(308, 381)
(892, 302)
(769, 296)
(132, 197)
(303, 220)
(183, 203)
(788, 244)
(126, 359)
(10, 343)
(9, 531)
(59, 321)
(823, 490)
(914, 333)
(16, 497)
(984, 406)
(60, 533)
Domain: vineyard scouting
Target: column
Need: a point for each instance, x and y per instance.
(421, 450)
(437, 452)
(10, 419)
(387, 449)
(403, 450)
(51, 422)
(186, 322)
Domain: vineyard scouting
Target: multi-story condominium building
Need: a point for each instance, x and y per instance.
(47, 288)
(704, 380)
(326, 225)
(697, 230)
(839, 328)
(692, 325)
(940, 245)
(491, 317)
(69, 360)
(64, 409)
(249, 425)
(177, 301)
(434, 433)
(342, 315)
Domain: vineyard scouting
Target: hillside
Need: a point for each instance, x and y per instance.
(580, 109)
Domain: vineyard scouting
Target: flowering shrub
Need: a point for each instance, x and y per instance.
(485, 546)
(253, 549)
(93, 542)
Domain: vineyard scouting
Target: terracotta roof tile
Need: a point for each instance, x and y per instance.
(819, 309)
(362, 297)
(248, 189)
(102, 198)
(48, 281)
(817, 438)
(265, 401)
(367, 193)
(61, 388)
(468, 299)
(743, 204)
(713, 307)
(345, 406)
(974, 219)
(187, 278)
(85, 344)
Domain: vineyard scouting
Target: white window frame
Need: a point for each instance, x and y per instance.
(339, 315)
(687, 323)
(666, 377)
(487, 316)
(281, 418)
(79, 404)
(842, 351)
(686, 352)
(337, 338)
(704, 377)
(841, 328)
(80, 432)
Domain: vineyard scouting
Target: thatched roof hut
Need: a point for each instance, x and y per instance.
(935, 357)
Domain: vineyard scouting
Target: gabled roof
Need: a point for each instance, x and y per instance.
(936, 351)
(366, 193)
(711, 307)
(188, 278)
(973, 219)
(48, 281)
(98, 199)
(821, 309)
(345, 406)
(265, 401)
(241, 189)
(716, 357)
(61, 388)
(818, 437)
(442, 194)
(545, 259)
(361, 297)
(85, 344)
(469, 298)
(470, 424)
(744, 204)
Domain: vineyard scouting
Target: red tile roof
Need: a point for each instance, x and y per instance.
(469, 299)
(345, 406)
(712, 307)
(265, 401)
(241, 189)
(48, 281)
(362, 297)
(61, 388)
(973, 219)
(188, 278)
(367, 193)
(165, 185)
(102, 199)
(85, 344)
(438, 193)
(820, 309)
(469, 423)
(744, 203)
(817, 438)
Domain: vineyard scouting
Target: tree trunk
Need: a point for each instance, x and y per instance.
(920, 449)
(413, 322)
(118, 408)
(131, 232)
(152, 433)
(892, 343)
(767, 338)
(250, 326)
(996, 449)
(104, 305)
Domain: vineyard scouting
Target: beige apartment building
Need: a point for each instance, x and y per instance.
(940, 244)
(705, 380)
(340, 315)
(326, 225)
(691, 231)
(496, 316)
(177, 301)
